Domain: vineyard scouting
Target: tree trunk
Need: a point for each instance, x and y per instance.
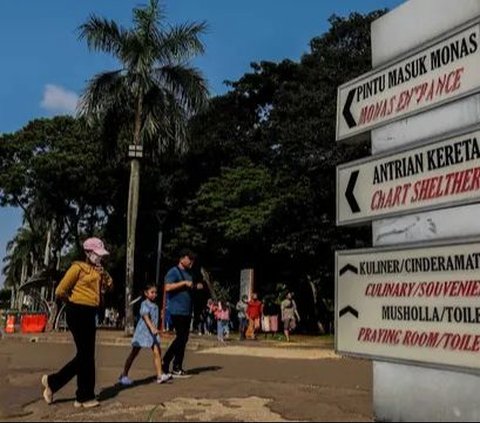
(12, 298)
(46, 255)
(133, 199)
(315, 305)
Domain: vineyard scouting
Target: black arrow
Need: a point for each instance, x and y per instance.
(352, 201)
(349, 309)
(348, 267)
(346, 109)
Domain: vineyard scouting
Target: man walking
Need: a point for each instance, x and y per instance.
(179, 289)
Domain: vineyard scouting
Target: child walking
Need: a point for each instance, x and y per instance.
(222, 314)
(146, 336)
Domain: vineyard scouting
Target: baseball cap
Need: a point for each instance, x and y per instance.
(95, 245)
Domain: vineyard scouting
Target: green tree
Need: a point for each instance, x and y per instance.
(278, 119)
(155, 91)
(234, 207)
(55, 171)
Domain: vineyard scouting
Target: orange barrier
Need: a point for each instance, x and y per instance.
(10, 326)
(33, 323)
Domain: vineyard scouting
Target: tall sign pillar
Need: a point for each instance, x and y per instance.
(404, 392)
(383, 308)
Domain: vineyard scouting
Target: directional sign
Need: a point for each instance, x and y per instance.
(415, 304)
(347, 310)
(348, 268)
(349, 192)
(441, 72)
(440, 174)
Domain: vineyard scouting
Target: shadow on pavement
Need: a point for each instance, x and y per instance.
(63, 400)
(113, 391)
(200, 370)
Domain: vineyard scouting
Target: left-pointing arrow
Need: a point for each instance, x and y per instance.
(348, 309)
(347, 268)
(352, 201)
(347, 114)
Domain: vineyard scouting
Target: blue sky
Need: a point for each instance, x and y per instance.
(44, 67)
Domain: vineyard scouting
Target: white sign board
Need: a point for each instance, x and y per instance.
(444, 71)
(246, 283)
(417, 305)
(440, 174)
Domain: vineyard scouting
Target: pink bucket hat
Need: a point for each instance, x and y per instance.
(95, 245)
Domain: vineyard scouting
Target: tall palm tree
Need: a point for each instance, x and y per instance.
(156, 89)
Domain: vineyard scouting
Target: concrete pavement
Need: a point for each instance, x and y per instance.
(228, 384)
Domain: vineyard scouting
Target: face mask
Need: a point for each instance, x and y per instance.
(95, 259)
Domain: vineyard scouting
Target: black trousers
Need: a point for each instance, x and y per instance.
(81, 322)
(176, 351)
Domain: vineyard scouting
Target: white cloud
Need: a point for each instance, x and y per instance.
(59, 100)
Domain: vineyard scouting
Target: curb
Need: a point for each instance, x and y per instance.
(120, 341)
(115, 342)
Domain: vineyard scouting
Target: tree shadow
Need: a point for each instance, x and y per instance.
(113, 391)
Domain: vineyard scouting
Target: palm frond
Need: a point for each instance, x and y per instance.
(181, 42)
(103, 35)
(136, 53)
(154, 109)
(165, 122)
(186, 84)
(103, 92)
(148, 19)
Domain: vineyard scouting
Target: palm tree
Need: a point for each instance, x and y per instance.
(154, 92)
(22, 259)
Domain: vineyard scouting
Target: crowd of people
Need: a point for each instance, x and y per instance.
(249, 317)
(86, 282)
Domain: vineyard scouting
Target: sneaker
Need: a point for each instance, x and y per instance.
(180, 374)
(164, 378)
(125, 381)
(86, 404)
(47, 392)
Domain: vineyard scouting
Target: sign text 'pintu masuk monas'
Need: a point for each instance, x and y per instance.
(443, 72)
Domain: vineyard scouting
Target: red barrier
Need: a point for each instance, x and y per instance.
(33, 323)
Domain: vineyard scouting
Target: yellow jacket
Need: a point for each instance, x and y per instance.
(83, 284)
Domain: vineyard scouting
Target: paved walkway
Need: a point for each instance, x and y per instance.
(228, 384)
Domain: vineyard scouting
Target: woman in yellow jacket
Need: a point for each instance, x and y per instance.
(82, 288)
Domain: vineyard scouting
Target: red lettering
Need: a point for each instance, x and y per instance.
(458, 79)
(377, 199)
(476, 179)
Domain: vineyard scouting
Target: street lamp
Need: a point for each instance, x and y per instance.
(135, 151)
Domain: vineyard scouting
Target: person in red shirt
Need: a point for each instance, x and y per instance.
(254, 314)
